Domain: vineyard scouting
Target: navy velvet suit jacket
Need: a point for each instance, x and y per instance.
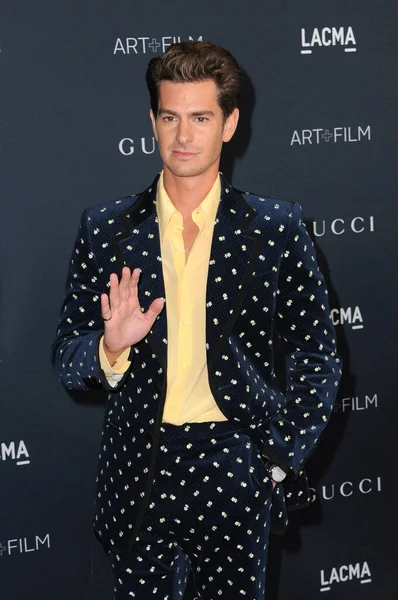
(263, 281)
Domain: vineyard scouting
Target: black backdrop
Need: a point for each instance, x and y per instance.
(319, 127)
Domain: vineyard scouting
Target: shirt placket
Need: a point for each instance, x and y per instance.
(186, 300)
(186, 313)
(181, 356)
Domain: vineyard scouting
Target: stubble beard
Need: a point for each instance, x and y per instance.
(188, 168)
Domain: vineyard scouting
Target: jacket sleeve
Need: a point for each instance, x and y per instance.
(313, 368)
(75, 352)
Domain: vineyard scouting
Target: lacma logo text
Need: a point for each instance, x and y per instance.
(350, 315)
(359, 571)
(15, 451)
(328, 36)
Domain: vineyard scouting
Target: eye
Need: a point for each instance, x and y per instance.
(168, 118)
(202, 119)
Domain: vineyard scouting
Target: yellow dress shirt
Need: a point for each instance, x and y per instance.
(188, 397)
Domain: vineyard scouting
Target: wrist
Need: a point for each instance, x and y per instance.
(112, 355)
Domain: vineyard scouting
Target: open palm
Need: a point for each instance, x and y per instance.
(124, 322)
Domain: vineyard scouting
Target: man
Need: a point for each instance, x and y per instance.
(200, 448)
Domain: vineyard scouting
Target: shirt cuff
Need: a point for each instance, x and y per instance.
(115, 372)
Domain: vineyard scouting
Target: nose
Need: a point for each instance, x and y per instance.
(184, 132)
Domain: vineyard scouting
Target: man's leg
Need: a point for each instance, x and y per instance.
(220, 507)
(153, 568)
(232, 564)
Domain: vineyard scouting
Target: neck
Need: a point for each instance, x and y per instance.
(186, 193)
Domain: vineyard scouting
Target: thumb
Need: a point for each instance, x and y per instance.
(155, 308)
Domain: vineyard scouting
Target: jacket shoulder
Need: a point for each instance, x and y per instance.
(111, 209)
(264, 204)
(115, 210)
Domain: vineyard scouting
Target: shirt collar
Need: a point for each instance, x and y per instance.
(166, 209)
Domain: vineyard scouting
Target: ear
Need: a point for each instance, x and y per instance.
(230, 125)
(153, 119)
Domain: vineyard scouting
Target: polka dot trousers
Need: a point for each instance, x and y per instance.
(208, 513)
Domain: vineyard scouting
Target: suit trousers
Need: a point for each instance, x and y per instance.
(208, 514)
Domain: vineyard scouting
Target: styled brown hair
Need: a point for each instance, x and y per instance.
(196, 61)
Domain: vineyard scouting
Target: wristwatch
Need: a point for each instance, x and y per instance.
(277, 474)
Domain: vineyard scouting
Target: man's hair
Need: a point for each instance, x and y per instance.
(192, 62)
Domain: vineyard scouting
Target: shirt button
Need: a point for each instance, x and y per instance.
(185, 322)
(184, 365)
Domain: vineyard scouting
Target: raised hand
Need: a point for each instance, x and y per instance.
(124, 322)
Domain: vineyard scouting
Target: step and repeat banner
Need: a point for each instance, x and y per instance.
(318, 126)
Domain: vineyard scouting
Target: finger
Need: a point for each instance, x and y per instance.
(155, 308)
(135, 276)
(114, 292)
(124, 285)
(106, 312)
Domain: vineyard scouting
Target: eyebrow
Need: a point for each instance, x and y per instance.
(195, 113)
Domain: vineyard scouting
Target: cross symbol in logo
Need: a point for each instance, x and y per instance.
(154, 45)
(327, 135)
(2, 549)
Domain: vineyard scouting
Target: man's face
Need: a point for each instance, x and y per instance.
(190, 127)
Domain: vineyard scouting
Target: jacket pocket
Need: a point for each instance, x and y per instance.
(110, 423)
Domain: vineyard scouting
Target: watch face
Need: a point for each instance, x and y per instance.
(277, 474)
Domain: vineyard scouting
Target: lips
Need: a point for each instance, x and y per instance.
(183, 154)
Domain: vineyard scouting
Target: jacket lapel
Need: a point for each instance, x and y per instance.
(235, 245)
(139, 246)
